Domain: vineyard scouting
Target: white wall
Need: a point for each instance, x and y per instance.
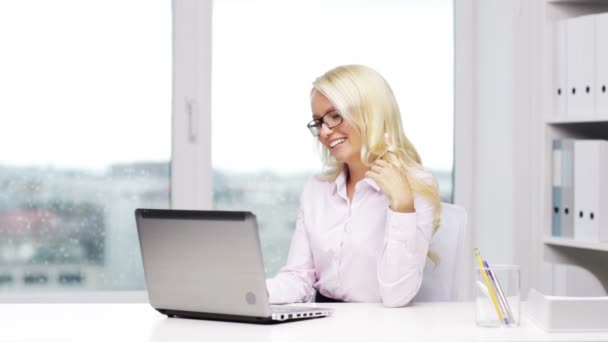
(493, 191)
(502, 194)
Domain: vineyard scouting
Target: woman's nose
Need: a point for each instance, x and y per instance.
(325, 131)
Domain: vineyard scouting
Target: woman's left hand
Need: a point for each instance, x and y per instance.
(392, 179)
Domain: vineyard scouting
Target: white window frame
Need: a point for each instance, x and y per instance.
(464, 116)
(191, 172)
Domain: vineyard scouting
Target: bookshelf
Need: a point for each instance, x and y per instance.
(590, 256)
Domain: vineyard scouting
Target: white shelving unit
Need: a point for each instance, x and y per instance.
(591, 256)
(558, 242)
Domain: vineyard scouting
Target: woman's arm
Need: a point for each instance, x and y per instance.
(294, 281)
(406, 243)
(408, 231)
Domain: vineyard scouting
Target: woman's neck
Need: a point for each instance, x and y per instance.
(356, 172)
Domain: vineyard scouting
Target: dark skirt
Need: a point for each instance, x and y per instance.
(319, 298)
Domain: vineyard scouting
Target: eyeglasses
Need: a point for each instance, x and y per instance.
(330, 120)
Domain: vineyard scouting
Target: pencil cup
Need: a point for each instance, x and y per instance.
(497, 296)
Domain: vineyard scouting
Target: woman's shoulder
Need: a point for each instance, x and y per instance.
(319, 180)
(318, 183)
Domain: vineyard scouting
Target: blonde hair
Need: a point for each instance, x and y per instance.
(363, 97)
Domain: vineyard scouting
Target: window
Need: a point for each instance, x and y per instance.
(266, 55)
(86, 139)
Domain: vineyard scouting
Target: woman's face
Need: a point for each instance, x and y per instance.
(343, 141)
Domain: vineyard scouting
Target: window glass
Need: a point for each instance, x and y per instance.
(85, 136)
(266, 55)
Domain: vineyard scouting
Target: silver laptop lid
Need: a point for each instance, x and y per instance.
(203, 261)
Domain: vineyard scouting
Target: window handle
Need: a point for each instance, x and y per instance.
(192, 114)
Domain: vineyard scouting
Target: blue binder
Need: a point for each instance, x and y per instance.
(556, 189)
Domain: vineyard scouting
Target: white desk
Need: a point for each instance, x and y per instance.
(351, 322)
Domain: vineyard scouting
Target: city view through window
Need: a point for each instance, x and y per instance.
(72, 229)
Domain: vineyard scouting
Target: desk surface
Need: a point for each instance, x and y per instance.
(351, 322)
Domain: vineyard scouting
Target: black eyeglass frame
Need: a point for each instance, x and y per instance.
(315, 125)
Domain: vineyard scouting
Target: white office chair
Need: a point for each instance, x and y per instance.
(440, 282)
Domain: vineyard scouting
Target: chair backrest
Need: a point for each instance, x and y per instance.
(440, 282)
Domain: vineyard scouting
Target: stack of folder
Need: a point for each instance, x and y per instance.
(580, 189)
(581, 56)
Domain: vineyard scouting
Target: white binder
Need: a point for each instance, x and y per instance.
(601, 65)
(561, 69)
(580, 66)
(591, 190)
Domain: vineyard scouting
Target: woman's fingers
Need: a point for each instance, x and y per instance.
(375, 176)
(381, 163)
(387, 165)
(376, 168)
(392, 158)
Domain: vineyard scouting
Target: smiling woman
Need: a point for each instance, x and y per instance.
(266, 53)
(364, 226)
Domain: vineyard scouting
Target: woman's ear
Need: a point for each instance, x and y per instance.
(388, 146)
(387, 139)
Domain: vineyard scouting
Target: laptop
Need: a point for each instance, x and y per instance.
(208, 265)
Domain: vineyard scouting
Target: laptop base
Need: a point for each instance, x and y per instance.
(225, 317)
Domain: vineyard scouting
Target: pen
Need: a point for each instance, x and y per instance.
(501, 296)
(489, 285)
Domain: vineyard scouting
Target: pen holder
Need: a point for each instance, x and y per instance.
(497, 296)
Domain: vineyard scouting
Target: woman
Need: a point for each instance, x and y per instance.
(364, 225)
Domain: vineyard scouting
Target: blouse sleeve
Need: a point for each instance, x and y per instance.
(406, 243)
(294, 282)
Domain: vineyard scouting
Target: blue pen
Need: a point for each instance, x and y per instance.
(501, 296)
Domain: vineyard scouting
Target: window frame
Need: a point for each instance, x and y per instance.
(191, 172)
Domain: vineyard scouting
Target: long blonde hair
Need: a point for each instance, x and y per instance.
(362, 96)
